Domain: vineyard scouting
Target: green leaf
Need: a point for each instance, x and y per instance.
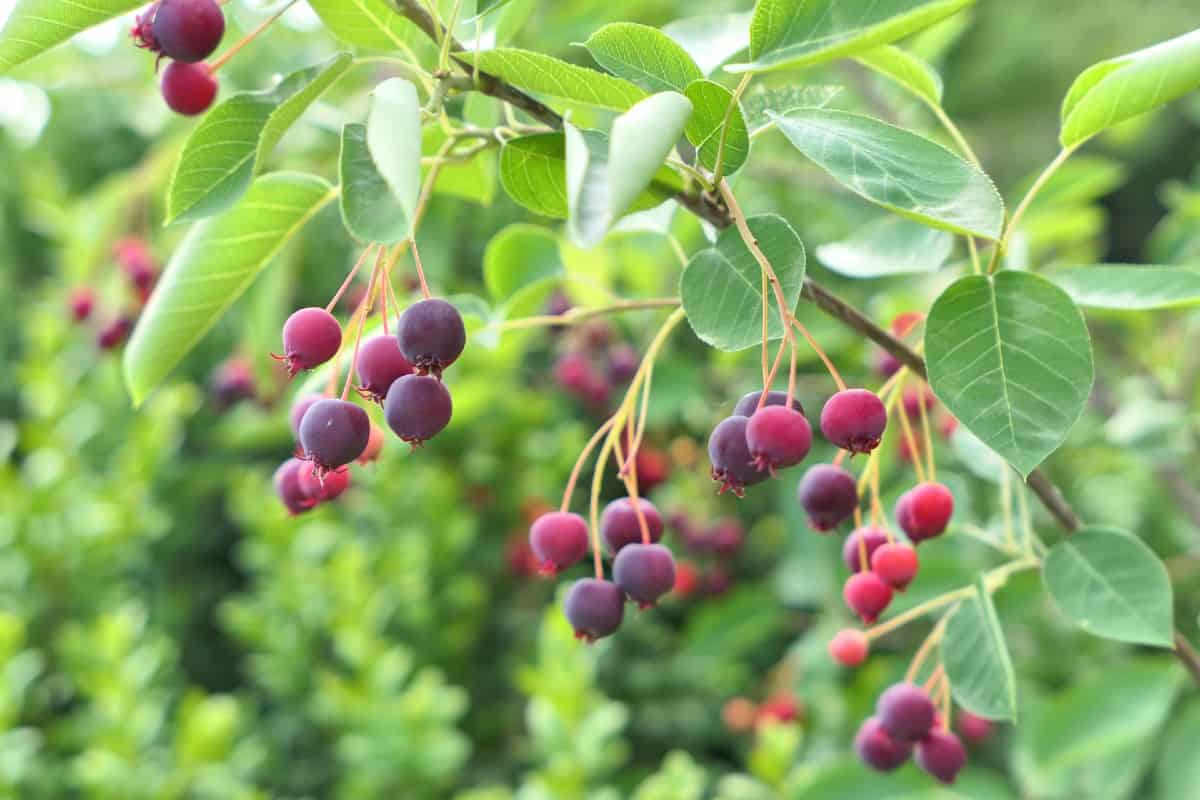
(757, 105)
(887, 246)
(1124, 87)
(976, 658)
(217, 260)
(1109, 583)
(370, 24)
(910, 72)
(897, 169)
(393, 139)
(532, 172)
(231, 144)
(1129, 287)
(368, 208)
(518, 256)
(1009, 355)
(643, 55)
(711, 103)
(35, 26)
(793, 33)
(1178, 771)
(711, 39)
(546, 75)
(721, 287)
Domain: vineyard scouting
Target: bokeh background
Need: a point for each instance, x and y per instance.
(166, 631)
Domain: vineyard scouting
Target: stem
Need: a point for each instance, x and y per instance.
(833, 373)
(248, 38)
(368, 302)
(577, 315)
(909, 438)
(791, 392)
(346, 283)
(976, 269)
(444, 55)
(733, 101)
(579, 462)
(597, 481)
(1015, 220)
(955, 133)
(926, 436)
(412, 243)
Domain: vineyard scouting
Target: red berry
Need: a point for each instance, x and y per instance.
(311, 336)
(849, 647)
(906, 712)
(431, 335)
(418, 407)
(778, 437)
(686, 579)
(749, 403)
(974, 729)
(829, 494)
(187, 30)
(188, 89)
(904, 324)
(896, 563)
(872, 538)
(781, 707)
(619, 524)
(877, 749)
(287, 486)
(135, 258)
(83, 300)
(595, 608)
(867, 595)
(854, 420)
(114, 333)
(333, 433)
(645, 572)
(374, 445)
(559, 540)
(942, 755)
(947, 426)
(652, 467)
(574, 373)
(915, 398)
(924, 511)
(379, 365)
(323, 488)
(732, 465)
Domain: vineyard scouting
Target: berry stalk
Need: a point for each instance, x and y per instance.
(248, 38)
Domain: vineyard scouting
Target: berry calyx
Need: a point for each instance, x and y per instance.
(877, 749)
(732, 465)
(431, 335)
(186, 30)
(417, 408)
(778, 437)
(333, 433)
(380, 364)
(829, 495)
(749, 403)
(896, 563)
(595, 608)
(975, 729)
(619, 524)
(188, 89)
(645, 572)
(143, 29)
(906, 711)
(867, 595)
(854, 420)
(311, 336)
(559, 540)
(288, 489)
(849, 647)
(872, 538)
(942, 755)
(924, 511)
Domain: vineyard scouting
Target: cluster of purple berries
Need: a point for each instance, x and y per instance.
(907, 723)
(592, 363)
(140, 272)
(187, 32)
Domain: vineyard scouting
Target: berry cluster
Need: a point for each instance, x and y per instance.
(187, 32)
(592, 362)
(907, 723)
(711, 548)
(139, 272)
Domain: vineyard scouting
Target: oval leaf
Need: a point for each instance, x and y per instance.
(1009, 355)
(643, 55)
(35, 26)
(532, 172)
(1109, 583)
(368, 208)
(908, 71)
(1129, 287)
(393, 138)
(897, 169)
(518, 256)
(217, 260)
(887, 246)
(711, 39)
(757, 105)
(976, 659)
(543, 74)
(712, 102)
(371, 24)
(721, 287)
(1124, 87)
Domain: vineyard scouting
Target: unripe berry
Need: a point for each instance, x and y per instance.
(645, 572)
(288, 489)
(924, 511)
(559, 540)
(877, 749)
(906, 711)
(749, 403)
(299, 408)
(854, 420)
(974, 729)
(732, 465)
(418, 407)
(188, 30)
(311, 336)
(323, 488)
(431, 335)
(374, 445)
(828, 494)
(778, 437)
(849, 647)
(896, 563)
(188, 89)
(594, 607)
(619, 524)
(82, 301)
(867, 595)
(333, 433)
(379, 365)
(652, 467)
(872, 538)
(942, 755)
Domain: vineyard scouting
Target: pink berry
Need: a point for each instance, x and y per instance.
(82, 301)
(311, 336)
(974, 729)
(374, 446)
(906, 712)
(942, 755)
(778, 437)
(867, 595)
(645, 572)
(849, 647)
(188, 89)
(379, 365)
(595, 608)
(924, 511)
(725, 537)
(877, 749)
(619, 525)
(143, 29)
(323, 488)
(854, 420)
(872, 539)
(574, 374)
(896, 563)
(187, 30)
(829, 494)
(287, 486)
(559, 540)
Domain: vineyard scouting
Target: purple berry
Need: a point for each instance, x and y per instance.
(854, 420)
(778, 437)
(287, 486)
(188, 89)
(187, 30)
(725, 537)
(232, 382)
(906, 711)
(311, 336)
(732, 465)
(333, 433)
(431, 335)
(594, 608)
(645, 572)
(749, 403)
(379, 365)
(623, 363)
(872, 537)
(877, 749)
(559, 540)
(299, 409)
(114, 333)
(619, 524)
(418, 407)
(829, 494)
(942, 755)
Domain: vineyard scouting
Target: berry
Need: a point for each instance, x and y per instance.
(652, 467)
(112, 334)
(873, 538)
(974, 729)
(187, 30)
(732, 465)
(323, 488)
(232, 382)
(379, 365)
(299, 409)
(749, 403)
(645, 572)
(924, 511)
(558, 304)
(886, 364)
(849, 647)
(778, 437)
(623, 363)
(374, 445)
(619, 524)
(82, 301)
(942, 755)
(877, 749)
(574, 373)
(311, 336)
(904, 324)
(188, 89)
(418, 407)
(829, 494)
(334, 433)
(915, 398)
(287, 486)
(686, 579)
(135, 258)
(717, 581)
(559, 540)
(906, 711)
(594, 607)
(854, 420)
(896, 563)
(739, 714)
(431, 335)
(725, 537)
(867, 595)
(781, 707)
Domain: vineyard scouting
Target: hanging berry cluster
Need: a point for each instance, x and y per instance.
(139, 272)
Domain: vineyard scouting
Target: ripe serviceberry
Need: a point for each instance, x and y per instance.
(187, 30)
(906, 712)
(867, 595)
(924, 511)
(82, 301)
(287, 486)
(559, 540)
(188, 89)
(418, 407)
(374, 445)
(854, 420)
(594, 607)
(311, 336)
(333, 433)
(379, 365)
(114, 333)
(623, 363)
(829, 494)
(732, 465)
(849, 647)
(619, 524)
(645, 572)
(725, 537)
(431, 335)
(778, 437)
(232, 382)
(974, 729)
(942, 755)
(299, 408)
(872, 538)
(877, 749)
(896, 563)
(749, 403)
(717, 581)
(323, 488)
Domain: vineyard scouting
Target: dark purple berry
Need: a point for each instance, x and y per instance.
(287, 486)
(311, 336)
(623, 363)
(854, 420)
(873, 538)
(431, 335)
(749, 403)
(188, 89)
(232, 382)
(877, 749)
(619, 524)
(778, 437)
(829, 494)
(187, 30)
(886, 364)
(645, 572)
(906, 711)
(559, 540)
(594, 608)
(418, 407)
(732, 465)
(333, 433)
(114, 333)
(942, 755)
(379, 365)
(300, 407)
